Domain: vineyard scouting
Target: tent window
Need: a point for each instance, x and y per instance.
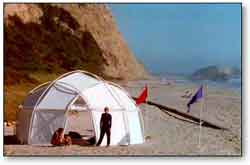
(57, 98)
(32, 98)
(79, 104)
(79, 101)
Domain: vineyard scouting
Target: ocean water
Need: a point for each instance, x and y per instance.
(233, 84)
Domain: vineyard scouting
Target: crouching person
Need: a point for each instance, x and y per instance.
(58, 138)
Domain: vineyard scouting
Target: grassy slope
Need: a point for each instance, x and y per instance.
(15, 94)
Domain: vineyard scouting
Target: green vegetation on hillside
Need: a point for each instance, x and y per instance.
(42, 41)
(49, 46)
(14, 94)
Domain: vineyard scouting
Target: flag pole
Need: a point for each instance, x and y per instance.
(202, 109)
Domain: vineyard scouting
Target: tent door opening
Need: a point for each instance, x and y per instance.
(79, 124)
(79, 127)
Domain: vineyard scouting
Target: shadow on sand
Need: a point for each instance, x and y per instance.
(11, 139)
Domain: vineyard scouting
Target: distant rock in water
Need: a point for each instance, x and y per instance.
(57, 38)
(215, 73)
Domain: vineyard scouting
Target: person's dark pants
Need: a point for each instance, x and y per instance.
(103, 132)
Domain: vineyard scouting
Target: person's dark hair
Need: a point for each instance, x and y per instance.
(60, 130)
(106, 109)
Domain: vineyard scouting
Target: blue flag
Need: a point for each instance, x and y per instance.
(198, 95)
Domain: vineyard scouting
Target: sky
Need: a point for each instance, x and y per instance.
(181, 38)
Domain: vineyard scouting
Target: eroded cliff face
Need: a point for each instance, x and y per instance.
(64, 37)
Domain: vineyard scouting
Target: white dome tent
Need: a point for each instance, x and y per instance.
(75, 101)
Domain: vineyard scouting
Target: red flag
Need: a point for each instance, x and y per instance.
(142, 98)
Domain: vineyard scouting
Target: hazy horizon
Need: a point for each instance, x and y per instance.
(180, 38)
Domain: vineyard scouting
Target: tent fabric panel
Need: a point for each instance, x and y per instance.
(99, 97)
(56, 98)
(119, 136)
(50, 112)
(32, 98)
(123, 98)
(135, 128)
(79, 80)
(22, 126)
(45, 123)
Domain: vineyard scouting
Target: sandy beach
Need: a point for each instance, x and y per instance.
(169, 47)
(166, 134)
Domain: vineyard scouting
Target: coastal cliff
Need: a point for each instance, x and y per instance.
(56, 38)
(43, 41)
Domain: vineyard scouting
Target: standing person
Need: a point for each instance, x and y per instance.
(105, 126)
